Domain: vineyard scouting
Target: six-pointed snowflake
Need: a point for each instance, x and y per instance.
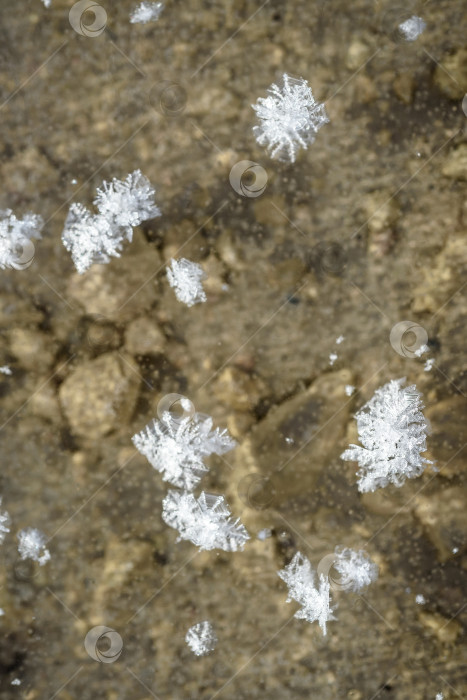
(186, 277)
(177, 448)
(206, 521)
(32, 545)
(201, 638)
(289, 118)
(315, 602)
(356, 569)
(392, 430)
(121, 204)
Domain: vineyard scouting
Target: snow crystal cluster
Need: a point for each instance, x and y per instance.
(32, 545)
(146, 12)
(201, 638)
(392, 430)
(289, 118)
(412, 28)
(177, 448)
(186, 278)
(301, 581)
(355, 568)
(205, 521)
(121, 205)
(16, 248)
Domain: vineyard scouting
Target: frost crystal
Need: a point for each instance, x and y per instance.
(31, 543)
(289, 118)
(177, 448)
(300, 579)
(201, 638)
(392, 429)
(5, 370)
(412, 28)
(205, 521)
(121, 204)
(185, 277)
(146, 12)
(355, 568)
(16, 249)
(4, 524)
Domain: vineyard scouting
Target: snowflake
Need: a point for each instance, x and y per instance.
(201, 638)
(206, 521)
(428, 366)
(185, 277)
(300, 579)
(146, 12)
(392, 429)
(16, 249)
(412, 28)
(5, 369)
(4, 524)
(121, 204)
(289, 118)
(177, 448)
(349, 389)
(420, 599)
(31, 543)
(355, 568)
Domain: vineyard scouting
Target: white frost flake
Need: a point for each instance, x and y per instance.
(176, 448)
(289, 118)
(206, 521)
(185, 277)
(146, 12)
(315, 602)
(412, 28)
(392, 430)
(121, 204)
(356, 569)
(31, 543)
(4, 524)
(201, 638)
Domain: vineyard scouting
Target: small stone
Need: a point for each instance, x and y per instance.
(404, 86)
(444, 519)
(455, 165)
(451, 74)
(31, 348)
(99, 395)
(143, 337)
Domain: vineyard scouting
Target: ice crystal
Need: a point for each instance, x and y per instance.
(185, 277)
(206, 521)
(121, 204)
(16, 249)
(289, 118)
(392, 430)
(4, 523)
(201, 638)
(420, 599)
(146, 12)
(355, 568)
(176, 448)
(315, 602)
(349, 389)
(428, 366)
(31, 543)
(5, 369)
(412, 28)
